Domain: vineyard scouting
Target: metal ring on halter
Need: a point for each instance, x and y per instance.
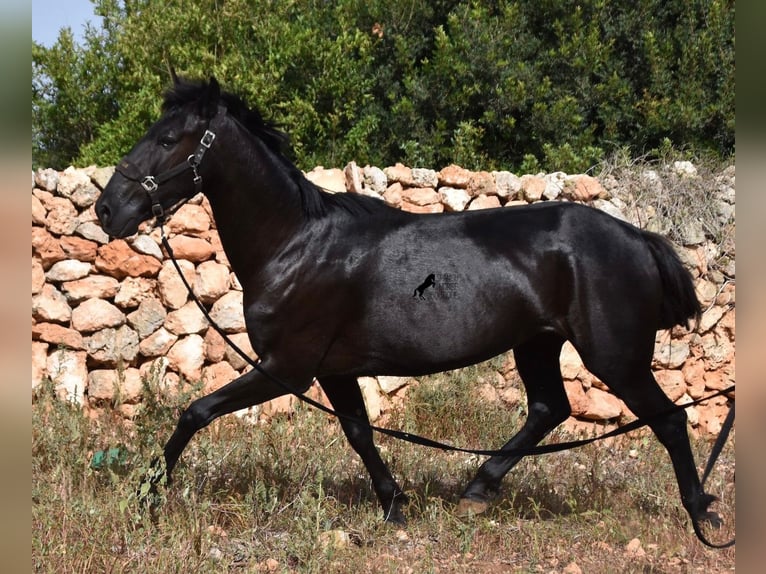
(149, 184)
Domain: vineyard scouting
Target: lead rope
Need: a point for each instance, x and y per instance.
(424, 441)
(720, 441)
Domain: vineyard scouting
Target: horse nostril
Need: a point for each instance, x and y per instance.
(104, 214)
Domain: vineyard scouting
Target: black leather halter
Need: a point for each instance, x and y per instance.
(151, 183)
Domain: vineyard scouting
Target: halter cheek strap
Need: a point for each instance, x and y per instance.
(151, 183)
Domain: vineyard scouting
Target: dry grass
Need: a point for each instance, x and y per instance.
(263, 498)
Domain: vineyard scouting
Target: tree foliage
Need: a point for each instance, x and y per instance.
(553, 84)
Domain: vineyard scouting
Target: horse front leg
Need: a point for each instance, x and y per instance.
(346, 398)
(245, 391)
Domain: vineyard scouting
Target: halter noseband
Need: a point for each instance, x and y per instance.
(151, 183)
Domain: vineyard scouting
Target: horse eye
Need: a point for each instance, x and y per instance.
(168, 140)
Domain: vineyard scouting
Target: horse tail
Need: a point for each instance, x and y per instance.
(679, 300)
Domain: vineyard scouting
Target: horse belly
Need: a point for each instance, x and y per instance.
(440, 330)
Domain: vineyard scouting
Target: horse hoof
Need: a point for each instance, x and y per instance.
(469, 507)
(396, 518)
(713, 519)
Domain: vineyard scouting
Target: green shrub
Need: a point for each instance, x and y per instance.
(486, 84)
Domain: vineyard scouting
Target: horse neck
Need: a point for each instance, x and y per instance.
(255, 200)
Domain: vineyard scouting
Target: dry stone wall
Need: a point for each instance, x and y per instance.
(108, 314)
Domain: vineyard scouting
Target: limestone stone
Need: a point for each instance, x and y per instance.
(354, 178)
(420, 196)
(710, 318)
(96, 314)
(392, 384)
(118, 260)
(193, 249)
(38, 276)
(91, 230)
(187, 356)
(186, 320)
(123, 386)
(68, 270)
(332, 180)
(454, 199)
(145, 245)
(671, 354)
(454, 176)
(215, 346)
(149, 317)
(532, 187)
(217, 375)
(570, 362)
(103, 385)
(85, 195)
(508, 185)
(601, 405)
(112, 347)
(45, 197)
(70, 180)
(38, 212)
(58, 335)
(375, 179)
(79, 248)
(47, 179)
(90, 287)
(554, 185)
(228, 313)
(484, 202)
(46, 247)
(399, 173)
(39, 363)
(393, 194)
(50, 305)
(672, 383)
(62, 217)
(373, 399)
(172, 291)
(584, 188)
(133, 291)
(158, 343)
(68, 371)
(481, 183)
(190, 219)
(422, 177)
(694, 372)
(415, 208)
(101, 176)
(577, 398)
(242, 341)
(717, 350)
(211, 281)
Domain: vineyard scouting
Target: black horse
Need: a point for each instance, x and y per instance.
(328, 282)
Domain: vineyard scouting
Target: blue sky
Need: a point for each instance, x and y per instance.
(49, 16)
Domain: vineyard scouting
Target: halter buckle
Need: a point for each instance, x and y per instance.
(149, 184)
(207, 139)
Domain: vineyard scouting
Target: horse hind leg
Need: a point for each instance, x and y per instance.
(638, 389)
(537, 362)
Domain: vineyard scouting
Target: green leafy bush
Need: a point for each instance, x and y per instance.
(484, 84)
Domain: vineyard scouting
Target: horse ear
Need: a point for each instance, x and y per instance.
(211, 98)
(173, 75)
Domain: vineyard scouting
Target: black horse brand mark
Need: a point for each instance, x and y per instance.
(420, 289)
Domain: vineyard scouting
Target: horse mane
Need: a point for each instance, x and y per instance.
(315, 201)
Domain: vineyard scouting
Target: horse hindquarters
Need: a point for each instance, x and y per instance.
(615, 341)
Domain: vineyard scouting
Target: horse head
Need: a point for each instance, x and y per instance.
(164, 169)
